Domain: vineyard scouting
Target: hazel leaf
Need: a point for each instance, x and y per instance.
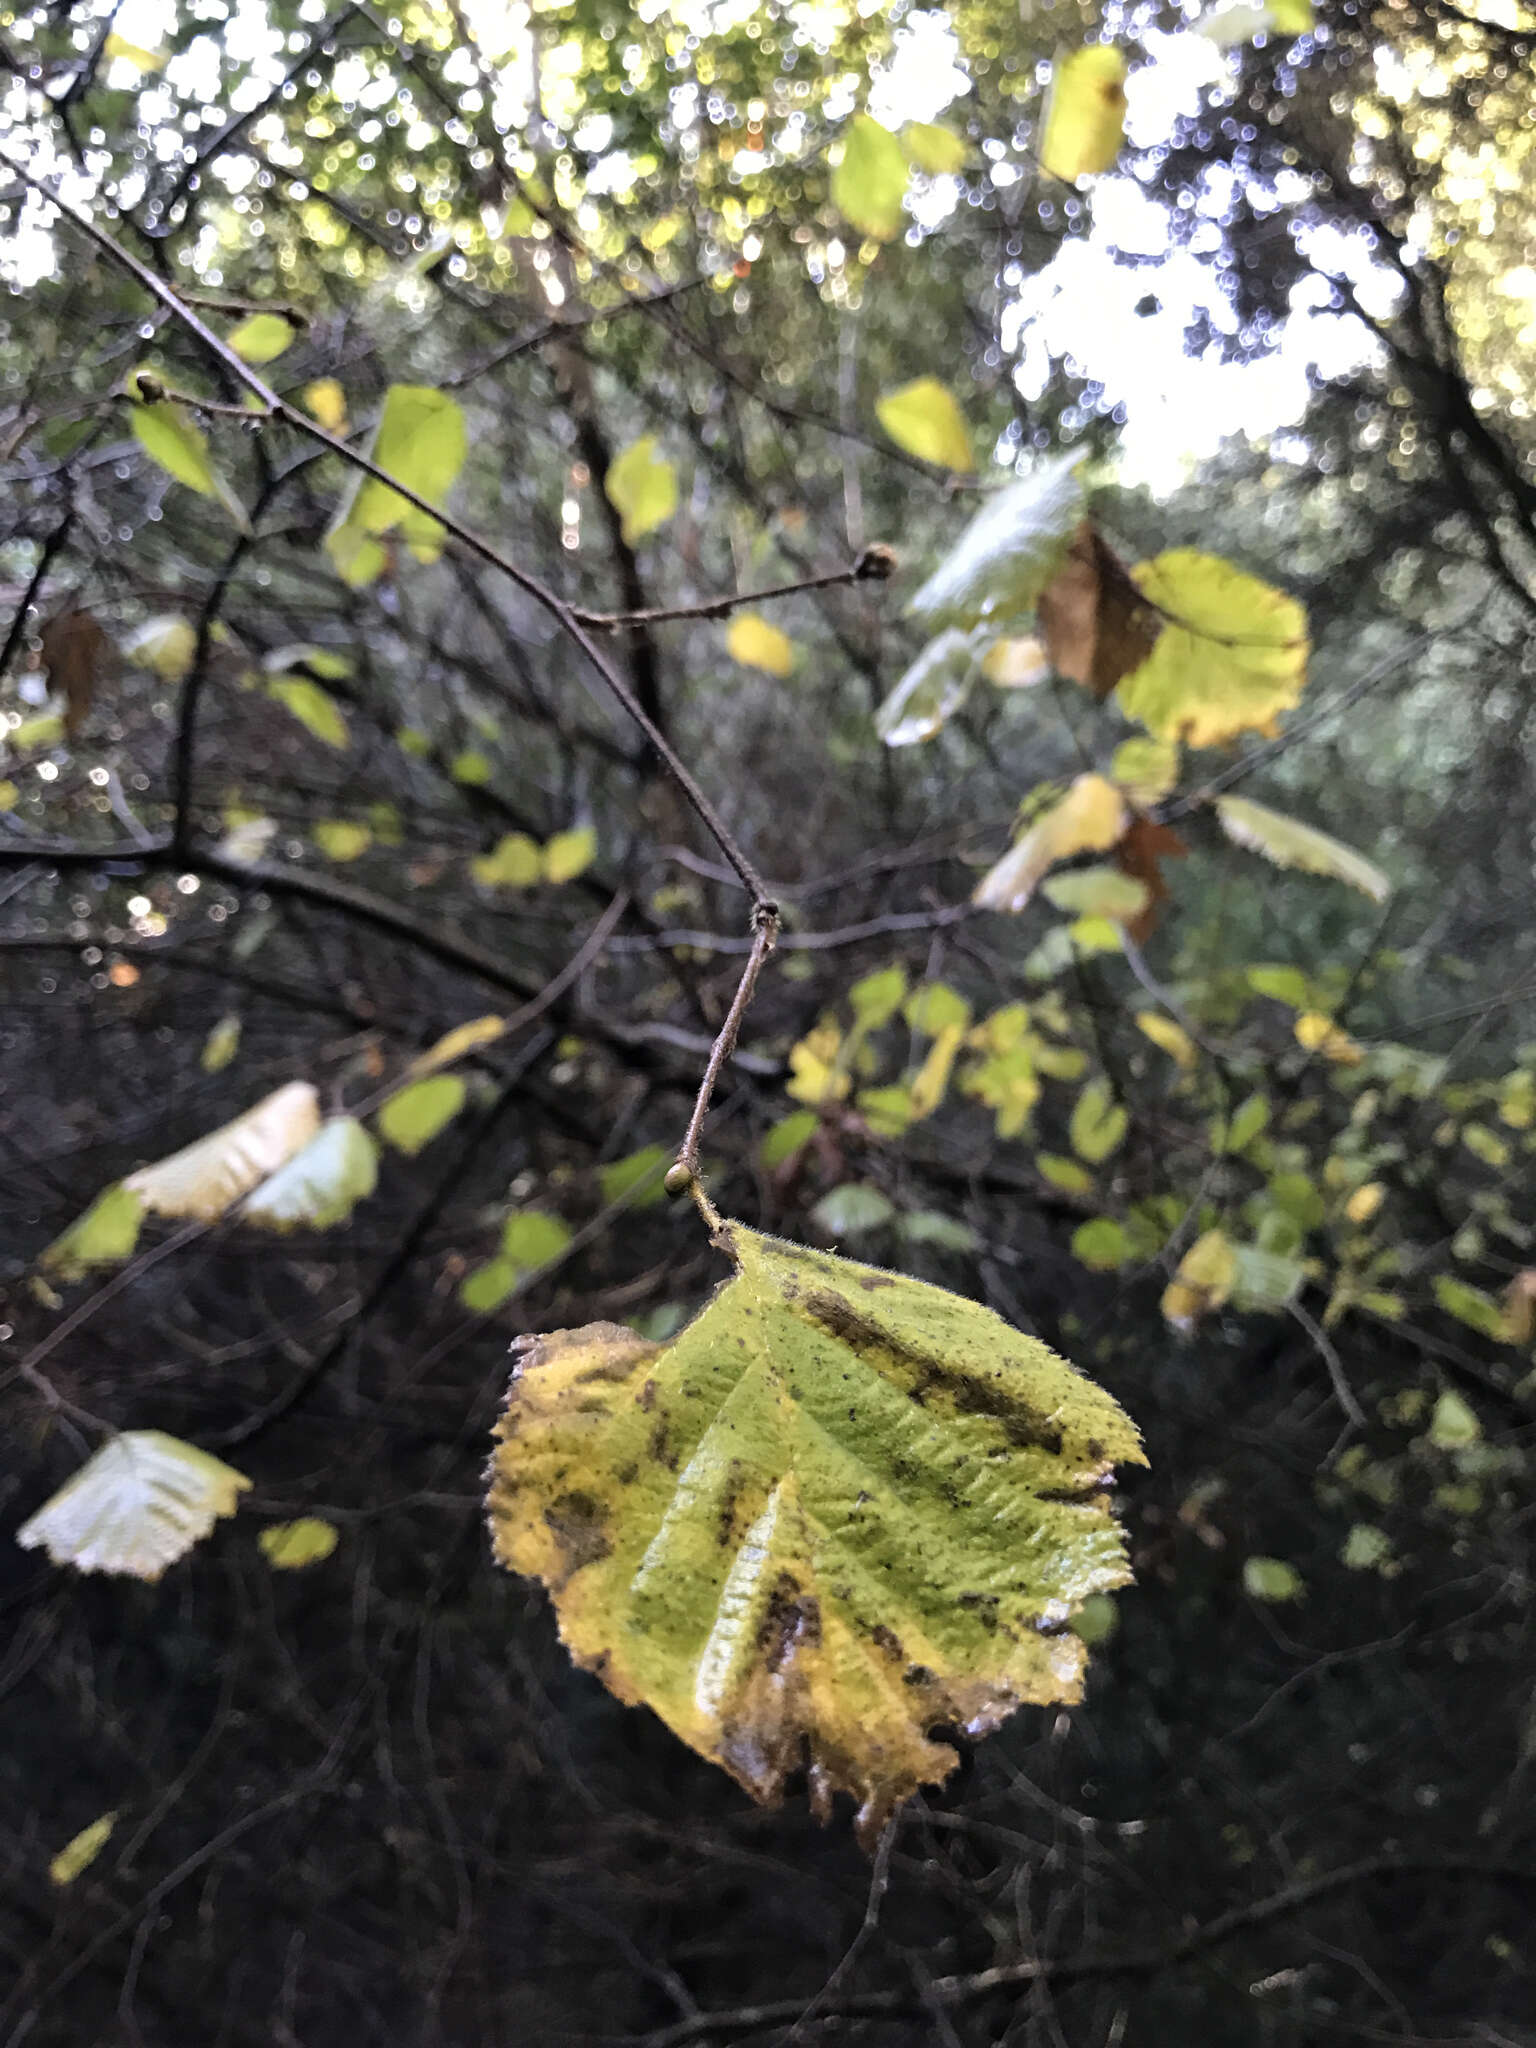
(839, 1510)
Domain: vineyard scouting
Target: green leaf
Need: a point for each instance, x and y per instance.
(1008, 553)
(1145, 769)
(1098, 1123)
(1282, 984)
(840, 1509)
(641, 486)
(168, 435)
(924, 419)
(1090, 818)
(932, 1226)
(930, 692)
(315, 709)
(1231, 657)
(1264, 1281)
(321, 1185)
(1366, 1548)
(933, 150)
(1102, 1245)
(1085, 115)
(639, 1176)
(421, 440)
(413, 1116)
(1485, 1144)
(104, 1236)
(341, 839)
(888, 1111)
(263, 338)
(852, 1210)
(514, 862)
(1469, 1305)
(1248, 1119)
(533, 1237)
(1272, 1580)
(81, 1850)
(164, 645)
(1290, 844)
(220, 1046)
(786, 1137)
(291, 1546)
(569, 854)
(870, 182)
(934, 1008)
(137, 1506)
(1454, 1425)
(1069, 1175)
(1098, 892)
(876, 999)
(489, 1285)
(471, 767)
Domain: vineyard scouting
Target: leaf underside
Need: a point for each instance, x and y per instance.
(840, 1509)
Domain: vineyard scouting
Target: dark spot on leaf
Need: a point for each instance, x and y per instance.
(982, 1605)
(578, 1525)
(870, 1281)
(917, 1674)
(659, 1449)
(626, 1474)
(887, 1639)
(647, 1395)
(792, 1619)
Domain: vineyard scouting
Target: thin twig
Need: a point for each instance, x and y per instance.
(874, 565)
(765, 932)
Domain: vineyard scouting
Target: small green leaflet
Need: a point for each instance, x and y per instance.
(1290, 844)
(264, 337)
(1102, 1244)
(636, 1179)
(530, 1239)
(315, 709)
(167, 434)
(341, 839)
(1271, 1579)
(1009, 552)
(164, 645)
(924, 419)
(641, 486)
(81, 1850)
(413, 1116)
(1098, 1123)
(103, 1236)
(292, 1546)
(870, 182)
(220, 1046)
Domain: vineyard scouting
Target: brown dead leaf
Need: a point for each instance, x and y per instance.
(73, 646)
(1094, 621)
(1141, 852)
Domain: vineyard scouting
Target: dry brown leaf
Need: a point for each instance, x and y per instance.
(1095, 622)
(73, 646)
(1145, 846)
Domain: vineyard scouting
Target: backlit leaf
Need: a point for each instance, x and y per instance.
(117, 46)
(934, 1008)
(164, 645)
(315, 709)
(81, 1850)
(1088, 819)
(421, 440)
(169, 436)
(1070, 1175)
(341, 839)
(1290, 844)
(641, 486)
(870, 182)
(263, 338)
(1095, 623)
(997, 569)
(321, 1185)
(104, 1236)
(413, 1116)
(931, 691)
(1085, 116)
(1205, 1279)
(1145, 769)
(924, 419)
(1271, 1579)
(1097, 892)
(1231, 656)
(787, 1137)
(934, 150)
(220, 1046)
(852, 1211)
(1264, 1280)
(1098, 1124)
(533, 1237)
(877, 997)
(1168, 1037)
(326, 403)
(290, 1546)
(841, 1508)
(471, 767)
(637, 1178)
(139, 1504)
(207, 1178)
(1470, 1305)
(753, 642)
(1319, 1033)
(569, 854)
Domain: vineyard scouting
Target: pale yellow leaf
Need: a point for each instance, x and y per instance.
(1089, 819)
(206, 1178)
(140, 1503)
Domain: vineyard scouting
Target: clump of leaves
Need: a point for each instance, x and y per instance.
(841, 1508)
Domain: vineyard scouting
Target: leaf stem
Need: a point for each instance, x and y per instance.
(765, 932)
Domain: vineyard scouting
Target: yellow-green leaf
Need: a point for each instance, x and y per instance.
(1271, 1579)
(514, 862)
(413, 1116)
(488, 1286)
(636, 1178)
(1290, 844)
(1098, 892)
(870, 182)
(1070, 1175)
(876, 998)
(1089, 819)
(1469, 1305)
(170, 437)
(1145, 769)
(81, 1850)
(471, 767)
(841, 1508)
(133, 53)
(1085, 116)
(290, 1546)
(1168, 1037)
(263, 338)
(315, 709)
(164, 645)
(1205, 1279)
(787, 1137)
(341, 839)
(1098, 1124)
(569, 854)
(924, 419)
(321, 1185)
(139, 1504)
(421, 440)
(755, 643)
(326, 403)
(1102, 1245)
(532, 1238)
(641, 486)
(205, 1179)
(104, 1236)
(1231, 657)
(454, 1044)
(934, 150)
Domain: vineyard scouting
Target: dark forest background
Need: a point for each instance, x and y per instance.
(371, 1801)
